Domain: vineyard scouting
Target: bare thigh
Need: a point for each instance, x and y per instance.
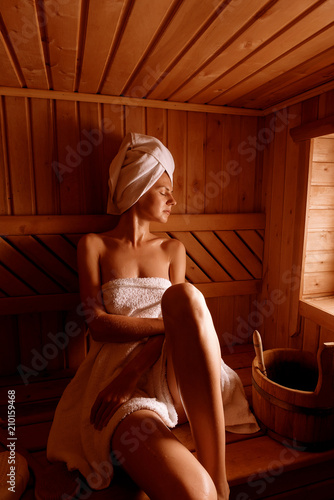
(157, 461)
(173, 388)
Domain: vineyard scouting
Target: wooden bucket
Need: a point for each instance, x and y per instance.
(295, 402)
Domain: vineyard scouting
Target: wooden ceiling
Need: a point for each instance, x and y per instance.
(253, 54)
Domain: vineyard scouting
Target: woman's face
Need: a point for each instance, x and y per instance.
(156, 204)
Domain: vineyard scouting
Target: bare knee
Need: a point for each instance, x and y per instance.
(183, 299)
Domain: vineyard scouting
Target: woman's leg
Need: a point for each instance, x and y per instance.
(158, 462)
(194, 351)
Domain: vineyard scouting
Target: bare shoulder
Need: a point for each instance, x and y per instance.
(90, 242)
(175, 249)
(173, 246)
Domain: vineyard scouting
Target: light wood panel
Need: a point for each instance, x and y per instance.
(179, 50)
(318, 267)
(287, 321)
(44, 264)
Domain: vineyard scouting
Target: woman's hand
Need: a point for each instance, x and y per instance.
(122, 388)
(118, 392)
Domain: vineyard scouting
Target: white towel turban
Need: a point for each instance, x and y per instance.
(139, 163)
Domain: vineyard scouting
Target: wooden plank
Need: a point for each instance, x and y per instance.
(195, 175)
(55, 224)
(322, 173)
(321, 219)
(304, 40)
(311, 333)
(226, 259)
(30, 338)
(177, 140)
(202, 257)
(136, 40)
(313, 128)
(5, 186)
(241, 59)
(216, 289)
(18, 154)
(112, 124)
(318, 283)
(135, 119)
(231, 164)
(215, 181)
(24, 33)
(25, 270)
(174, 40)
(323, 150)
(43, 145)
(247, 168)
(319, 261)
(63, 29)
(9, 346)
(238, 248)
(308, 74)
(102, 28)
(292, 241)
(61, 247)
(91, 166)
(127, 101)
(11, 73)
(69, 157)
(212, 41)
(312, 309)
(12, 285)
(322, 240)
(327, 334)
(254, 241)
(47, 261)
(23, 303)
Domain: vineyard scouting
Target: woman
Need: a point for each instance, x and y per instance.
(143, 373)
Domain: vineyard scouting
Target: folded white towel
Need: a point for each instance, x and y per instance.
(74, 440)
(139, 163)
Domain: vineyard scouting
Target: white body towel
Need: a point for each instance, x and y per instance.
(74, 440)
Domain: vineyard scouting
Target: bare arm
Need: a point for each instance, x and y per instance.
(123, 386)
(105, 327)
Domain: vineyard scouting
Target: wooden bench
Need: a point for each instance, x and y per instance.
(38, 275)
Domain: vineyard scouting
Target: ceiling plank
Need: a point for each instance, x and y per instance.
(247, 78)
(244, 55)
(309, 74)
(182, 30)
(232, 19)
(11, 73)
(103, 25)
(62, 31)
(136, 39)
(23, 24)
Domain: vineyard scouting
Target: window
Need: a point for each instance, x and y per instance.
(318, 263)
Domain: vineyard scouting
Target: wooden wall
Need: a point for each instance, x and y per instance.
(55, 157)
(286, 165)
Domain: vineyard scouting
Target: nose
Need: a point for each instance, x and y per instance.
(171, 201)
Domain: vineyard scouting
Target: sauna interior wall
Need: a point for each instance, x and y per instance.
(285, 180)
(53, 161)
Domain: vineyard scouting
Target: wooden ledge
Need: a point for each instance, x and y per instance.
(319, 309)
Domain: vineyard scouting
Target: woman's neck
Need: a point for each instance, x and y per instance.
(132, 228)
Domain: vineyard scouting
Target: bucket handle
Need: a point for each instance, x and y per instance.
(325, 386)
